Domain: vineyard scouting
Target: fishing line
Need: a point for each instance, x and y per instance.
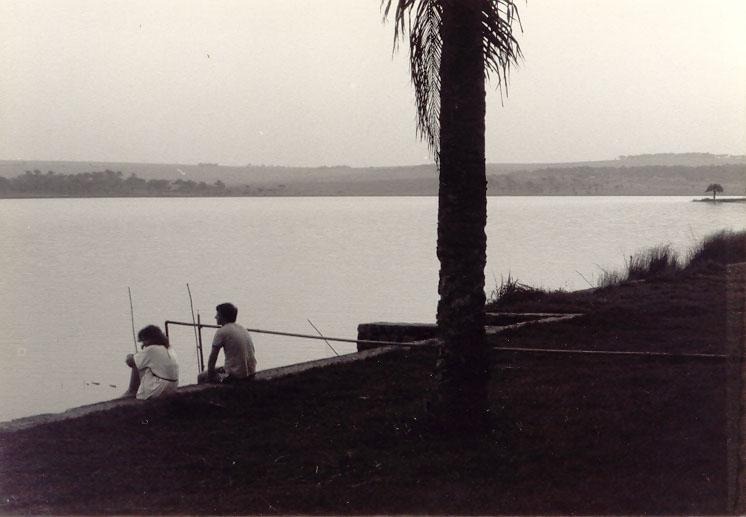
(322, 335)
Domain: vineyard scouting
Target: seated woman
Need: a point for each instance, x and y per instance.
(155, 372)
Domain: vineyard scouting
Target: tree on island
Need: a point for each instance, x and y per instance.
(714, 188)
(453, 46)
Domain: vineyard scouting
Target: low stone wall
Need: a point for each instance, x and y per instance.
(396, 332)
(261, 376)
(411, 332)
(501, 319)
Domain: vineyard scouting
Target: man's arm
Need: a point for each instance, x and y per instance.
(217, 344)
(211, 374)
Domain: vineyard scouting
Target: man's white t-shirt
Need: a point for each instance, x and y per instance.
(159, 371)
(238, 348)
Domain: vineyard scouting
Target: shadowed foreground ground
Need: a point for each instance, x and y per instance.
(572, 434)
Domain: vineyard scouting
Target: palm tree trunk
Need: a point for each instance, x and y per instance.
(462, 373)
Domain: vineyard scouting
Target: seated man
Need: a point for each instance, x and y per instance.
(238, 349)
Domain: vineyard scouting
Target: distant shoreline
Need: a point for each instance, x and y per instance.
(645, 175)
(320, 195)
(724, 200)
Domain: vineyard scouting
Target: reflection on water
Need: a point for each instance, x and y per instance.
(67, 263)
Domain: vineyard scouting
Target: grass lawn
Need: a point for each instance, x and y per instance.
(571, 433)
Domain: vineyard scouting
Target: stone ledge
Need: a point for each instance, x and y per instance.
(425, 334)
(261, 376)
(538, 319)
(396, 332)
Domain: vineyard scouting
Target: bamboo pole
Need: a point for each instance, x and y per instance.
(194, 323)
(199, 343)
(132, 319)
(292, 334)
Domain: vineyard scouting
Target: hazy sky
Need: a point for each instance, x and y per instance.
(313, 82)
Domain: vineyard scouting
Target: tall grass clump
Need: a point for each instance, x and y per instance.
(510, 291)
(610, 278)
(653, 263)
(720, 248)
(724, 247)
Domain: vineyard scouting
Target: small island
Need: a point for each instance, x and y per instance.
(721, 200)
(715, 188)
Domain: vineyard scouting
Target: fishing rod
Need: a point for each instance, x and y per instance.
(199, 342)
(322, 335)
(132, 318)
(307, 336)
(196, 337)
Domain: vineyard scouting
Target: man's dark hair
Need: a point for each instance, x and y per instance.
(228, 311)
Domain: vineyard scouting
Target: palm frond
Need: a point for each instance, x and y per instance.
(501, 48)
(425, 47)
(422, 20)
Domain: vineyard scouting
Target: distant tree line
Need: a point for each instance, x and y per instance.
(649, 180)
(553, 181)
(110, 183)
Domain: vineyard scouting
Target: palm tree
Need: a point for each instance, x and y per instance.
(714, 188)
(453, 46)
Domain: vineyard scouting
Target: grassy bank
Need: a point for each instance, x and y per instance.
(571, 433)
(589, 436)
(656, 264)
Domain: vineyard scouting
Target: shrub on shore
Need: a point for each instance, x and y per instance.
(717, 249)
(653, 263)
(510, 292)
(656, 263)
(724, 247)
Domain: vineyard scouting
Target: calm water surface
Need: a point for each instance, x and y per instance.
(66, 265)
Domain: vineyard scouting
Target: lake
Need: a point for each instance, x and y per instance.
(67, 264)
